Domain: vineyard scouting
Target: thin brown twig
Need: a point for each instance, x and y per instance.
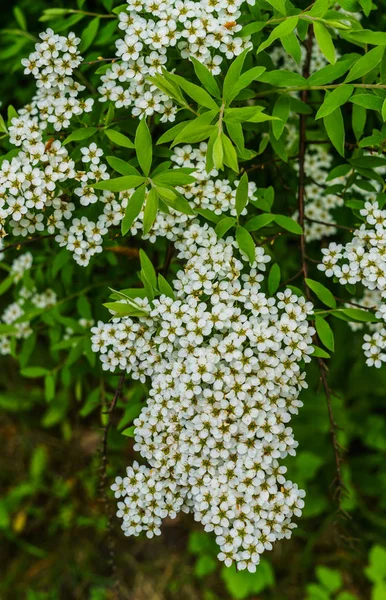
(351, 229)
(338, 480)
(25, 242)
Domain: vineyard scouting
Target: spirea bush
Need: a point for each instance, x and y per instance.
(233, 152)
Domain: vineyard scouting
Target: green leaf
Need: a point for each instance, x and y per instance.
(205, 565)
(165, 287)
(129, 432)
(147, 268)
(206, 78)
(171, 133)
(151, 209)
(244, 80)
(281, 110)
(274, 279)
(245, 243)
(120, 184)
(242, 584)
(325, 43)
(288, 224)
(174, 177)
(282, 30)
(334, 99)
(366, 36)
(80, 134)
(366, 63)
(384, 110)
(334, 126)
(49, 387)
(356, 314)
(332, 72)
(359, 116)
(278, 5)
(20, 18)
(89, 34)
(118, 138)
(329, 578)
(218, 153)
(258, 222)
(291, 45)
(325, 333)
(144, 147)
(320, 353)
(233, 75)
(6, 284)
(125, 310)
(224, 226)
(134, 206)
(122, 166)
(34, 372)
(194, 91)
(377, 570)
(369, 101)
(321, 292)
(242, 194)
(196, 130)
(230, 154)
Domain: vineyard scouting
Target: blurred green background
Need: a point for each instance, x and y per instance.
(58, 541)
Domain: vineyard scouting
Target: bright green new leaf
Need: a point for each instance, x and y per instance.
(321, 292)
(144, 147)
(291, 45)
(366, 63)
(230, 154)
(6, 284)
(334, 99)
(282, 30)
(89, 34)
(194, 91)
(218, 153)
(368, 100)
(233, 75)
(165, 287)
(325, 43)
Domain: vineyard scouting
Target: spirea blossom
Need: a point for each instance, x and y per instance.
(224, 365)
(363, 260)
(206, 30)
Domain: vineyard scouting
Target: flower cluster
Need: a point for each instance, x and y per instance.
(363, 260)
(12, 319)
(209, 191)
(224, 365)
(319, 202)
(204, 30)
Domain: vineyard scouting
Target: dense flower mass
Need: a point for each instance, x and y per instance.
(224, 364)
(363, 260)
(204, 30)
